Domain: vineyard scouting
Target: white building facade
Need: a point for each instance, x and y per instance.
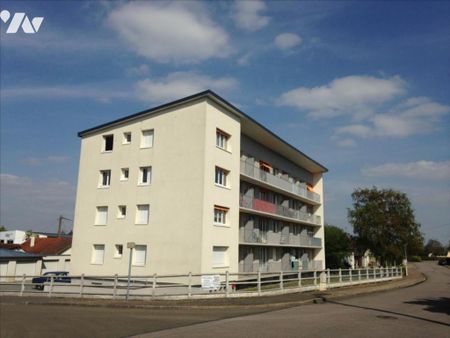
(12, 237)
(199, 187)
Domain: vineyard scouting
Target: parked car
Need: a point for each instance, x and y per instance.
(58, 277)
(444, 261)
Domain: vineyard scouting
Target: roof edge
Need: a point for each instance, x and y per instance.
(206, 93)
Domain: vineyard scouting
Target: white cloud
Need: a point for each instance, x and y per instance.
(417, 115)
(287, 40)
(247, 15)
(420, 170)
(26, 203)
(141, 70)
(179, 32)
(244, 60)
(102, 93)
(180, 84)
(351, 95)
(346, 143)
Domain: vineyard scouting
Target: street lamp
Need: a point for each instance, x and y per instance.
(130, 245)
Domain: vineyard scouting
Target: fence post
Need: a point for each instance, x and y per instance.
(227, 283)
(115, 286)
(154, 285)
(359, 274)
(382, 269)
(281, 280)
(340, 275)
(328, 276)
(374, 273)
(22, 286)
(259, 282)
(367, 273)
(315, 277)
(299, 279)
(190, 285)
(81, 285)
(350, 273)
(51, 286)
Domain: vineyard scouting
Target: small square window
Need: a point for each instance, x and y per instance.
(124, 174)
(98, 254)
(222, 139)
(147, 139)
(220, 215)
(126, 138)
(118, 251)
(105, 178)
(122, 211)
(145, 175)
(142, 214)
(221, 177)
(220, 256)
(101, 217)
(139, 255)
(108, 142)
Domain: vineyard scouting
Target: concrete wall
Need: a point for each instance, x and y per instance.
(174, 233)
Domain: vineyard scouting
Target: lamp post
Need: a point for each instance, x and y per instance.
(130, 245)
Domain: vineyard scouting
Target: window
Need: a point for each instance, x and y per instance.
(125, 172)
(145, 175)
(101, 218)
(105, 178)
(147, 139)
(222, 139)
(220, 214)
(220, 256)
(126, 138)
(118, 252)
(139, 255)
(221, 176)
(98, 254)
(108, 141)
(122, 211)
(142, 213)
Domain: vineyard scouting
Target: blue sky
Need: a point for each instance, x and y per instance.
(362, 87)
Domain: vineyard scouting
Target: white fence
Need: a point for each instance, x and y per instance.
(195, 285)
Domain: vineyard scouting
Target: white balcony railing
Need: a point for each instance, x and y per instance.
(250, 202)
(276, 238)
(249, 169)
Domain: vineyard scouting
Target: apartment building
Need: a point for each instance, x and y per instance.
(198, 186)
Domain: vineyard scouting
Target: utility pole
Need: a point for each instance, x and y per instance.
(61, 218)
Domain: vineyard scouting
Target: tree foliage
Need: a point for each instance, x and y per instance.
(435, 248)
(337, 247)
(2, 228)
(384, 221)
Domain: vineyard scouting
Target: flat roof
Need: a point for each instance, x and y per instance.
(250, 127)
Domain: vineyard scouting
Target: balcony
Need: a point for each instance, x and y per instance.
(282, 212)
(248, 169)
(277, 266)
(277, 238)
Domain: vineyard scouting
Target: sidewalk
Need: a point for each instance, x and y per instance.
(274, 302)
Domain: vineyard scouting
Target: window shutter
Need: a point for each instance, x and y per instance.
(139, 254)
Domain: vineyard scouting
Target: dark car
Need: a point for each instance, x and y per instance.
(58, 277)
(444, 261)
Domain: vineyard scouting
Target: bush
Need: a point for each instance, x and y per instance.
(415, 259)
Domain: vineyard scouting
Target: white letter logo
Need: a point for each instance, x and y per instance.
(21, 20)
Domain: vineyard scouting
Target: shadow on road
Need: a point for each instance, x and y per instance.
(441, 305)
(390, 312)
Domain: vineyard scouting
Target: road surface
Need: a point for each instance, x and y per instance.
(419, 311)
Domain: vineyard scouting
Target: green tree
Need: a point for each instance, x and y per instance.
(434, 247)
(2, 228)
(337, 247)
(384, 221)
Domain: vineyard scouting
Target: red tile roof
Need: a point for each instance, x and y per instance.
(47, 246)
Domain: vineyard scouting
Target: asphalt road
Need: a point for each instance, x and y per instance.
(419, 311)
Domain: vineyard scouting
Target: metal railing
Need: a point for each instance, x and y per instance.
(250, 202)
(249, 169)
(277, 238)
(281, 265)
(193, 285)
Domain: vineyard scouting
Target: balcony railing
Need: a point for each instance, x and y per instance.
(277, 238)
(271, 208)
(249, 169)
(277, 266)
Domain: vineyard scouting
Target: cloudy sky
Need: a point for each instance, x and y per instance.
(362, 87)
